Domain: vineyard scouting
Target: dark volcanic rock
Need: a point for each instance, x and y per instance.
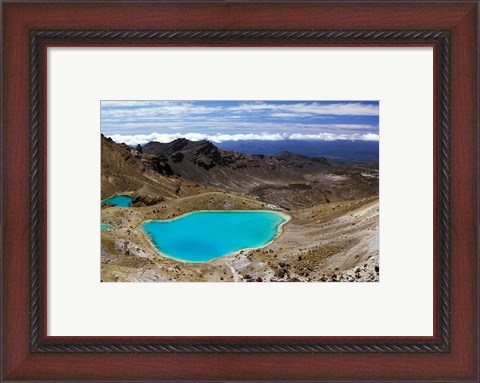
(178, 157)
(141, 201)
(284, 179)
(160, 164)
(280, 273)
(153, 147)
(127, 169)
(206, 155)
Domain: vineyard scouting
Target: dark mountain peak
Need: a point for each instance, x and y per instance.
(190, 157)
(205, 154)
(154, 147)
(177, 144)
(204, 146)
(180, 140)
(180, 144)
(202, 153)
(184, 144)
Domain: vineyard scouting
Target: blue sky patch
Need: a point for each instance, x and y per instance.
(138, 122)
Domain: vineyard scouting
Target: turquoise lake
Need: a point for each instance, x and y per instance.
(206, 235)
(105, 226)
(119, 200)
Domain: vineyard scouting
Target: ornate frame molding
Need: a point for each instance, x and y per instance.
(440, 38)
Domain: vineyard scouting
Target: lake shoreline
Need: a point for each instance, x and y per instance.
(279, 230)
(318, 244)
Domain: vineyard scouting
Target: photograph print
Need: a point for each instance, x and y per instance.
(239, 191)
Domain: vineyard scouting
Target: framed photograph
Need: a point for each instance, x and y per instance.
(239, 191)
(203, 191)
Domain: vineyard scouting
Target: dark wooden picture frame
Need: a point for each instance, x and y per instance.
(29, 354)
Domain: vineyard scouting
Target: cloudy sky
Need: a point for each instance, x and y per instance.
(139, 122)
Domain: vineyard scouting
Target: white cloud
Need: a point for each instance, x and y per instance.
(213, 125)
(318, 137)
(371, 137)
(335, 137)
(142, 139)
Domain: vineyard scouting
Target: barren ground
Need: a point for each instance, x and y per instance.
(328, 242)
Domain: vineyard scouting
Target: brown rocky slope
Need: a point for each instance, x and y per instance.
(332, 236)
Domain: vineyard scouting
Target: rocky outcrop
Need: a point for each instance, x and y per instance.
(126, 169)
(160, 164)
(146, 200)
(206, 155)
(285, 179)
(368, 271)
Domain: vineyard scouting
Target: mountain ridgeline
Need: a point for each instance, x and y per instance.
(182, 154)
(339, 151)
(182, 167)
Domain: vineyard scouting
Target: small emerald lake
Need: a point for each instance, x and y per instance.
(106, 226)
(119, 200)
(205, 235)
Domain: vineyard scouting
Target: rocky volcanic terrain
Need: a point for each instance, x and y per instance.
(332, 236)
